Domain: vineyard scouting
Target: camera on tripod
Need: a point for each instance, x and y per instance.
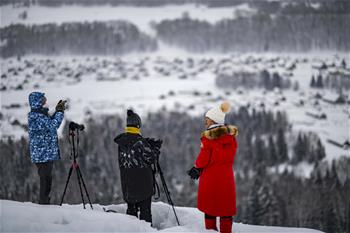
(73, 138)
(74, 126)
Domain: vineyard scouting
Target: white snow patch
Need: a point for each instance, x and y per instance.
(30, 217)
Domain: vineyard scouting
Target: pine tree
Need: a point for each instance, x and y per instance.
(276, 80)
(319, 81)
(343, 63)
(276, 215)
(265, 76)
(258, 201)
(320, 152)
(282, 146)
(259, 153)
(296, 86)
(313, 81)
(330, 220)
(272, 153)
(299, 150)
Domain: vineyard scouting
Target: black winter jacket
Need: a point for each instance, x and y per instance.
(135, 157)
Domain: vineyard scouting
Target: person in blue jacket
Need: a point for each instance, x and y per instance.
(43, 140)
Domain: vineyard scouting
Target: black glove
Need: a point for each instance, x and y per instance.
(194, 173)
(61, 106)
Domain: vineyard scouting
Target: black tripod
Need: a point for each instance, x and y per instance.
(166, 190)
(75, 166)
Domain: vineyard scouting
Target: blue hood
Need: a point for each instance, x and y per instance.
(36, 100)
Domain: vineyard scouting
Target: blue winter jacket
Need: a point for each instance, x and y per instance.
(43, 140)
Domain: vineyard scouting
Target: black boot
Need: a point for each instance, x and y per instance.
(145, 210)
(132, 209)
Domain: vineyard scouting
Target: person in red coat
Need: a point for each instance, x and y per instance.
(214, 168)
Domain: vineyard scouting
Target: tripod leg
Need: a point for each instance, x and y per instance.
(167, 193)
(170, 201)
(65, 188)
(82, 180)
(81, 191)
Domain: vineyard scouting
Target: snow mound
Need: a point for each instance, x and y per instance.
(30, 217)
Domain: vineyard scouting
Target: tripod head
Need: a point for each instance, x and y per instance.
(75, 126)
(156, 146)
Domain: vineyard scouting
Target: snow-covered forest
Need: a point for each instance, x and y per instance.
(283, 65)
(258, 27)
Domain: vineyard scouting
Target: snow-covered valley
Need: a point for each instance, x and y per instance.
(149, 82)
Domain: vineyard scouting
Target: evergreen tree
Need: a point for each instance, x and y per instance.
(282, 146)
(296, 86)
(277, 209)
(299, 149)
(276, 80)
(258, 201)
(343, 63)
(265, 75)
(272, 153)
(319, 81)
(320, 151)
(259, 153)
(313, 81)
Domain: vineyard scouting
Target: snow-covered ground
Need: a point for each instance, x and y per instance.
(29, 217)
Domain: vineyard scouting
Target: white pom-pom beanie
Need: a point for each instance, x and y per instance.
(217, 114)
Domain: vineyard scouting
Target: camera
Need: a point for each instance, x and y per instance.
(75, 126)
(156, 144)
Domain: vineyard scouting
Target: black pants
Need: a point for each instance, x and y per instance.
(144, 207)
(45, 174)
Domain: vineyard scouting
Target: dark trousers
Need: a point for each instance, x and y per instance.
(144, 207)
(45, 174)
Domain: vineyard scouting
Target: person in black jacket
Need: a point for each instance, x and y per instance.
(136, 156)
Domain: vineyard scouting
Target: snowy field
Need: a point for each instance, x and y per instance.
(29, 217)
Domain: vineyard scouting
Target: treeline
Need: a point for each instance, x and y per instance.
(111, 38)
(260, 32)
(288, 6)
(265, 195)
(336, 81)
(294, 27)
(251, 79)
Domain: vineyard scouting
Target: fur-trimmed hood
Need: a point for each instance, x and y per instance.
(219, 131)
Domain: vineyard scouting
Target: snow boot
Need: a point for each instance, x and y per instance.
(210, 223)
(145, 210)
(132, 209)
(226, 224)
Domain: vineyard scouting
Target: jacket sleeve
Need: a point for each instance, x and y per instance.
(204, 155)
(49, 123)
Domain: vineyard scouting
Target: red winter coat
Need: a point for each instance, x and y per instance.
(217, 190)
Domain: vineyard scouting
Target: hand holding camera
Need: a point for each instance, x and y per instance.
(61, 106)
